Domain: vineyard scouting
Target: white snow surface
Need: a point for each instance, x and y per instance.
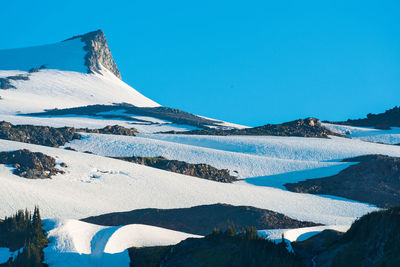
(77, 243)
(300, 234)
(245, 164)
(250, 156)
(391, 136)
(225, 124)
(91, 123)
(94, 185)
(278, 180)
(49, 89)
(295, 148)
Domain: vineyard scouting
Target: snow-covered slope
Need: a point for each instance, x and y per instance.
(94, 185)
(391, 136)
(76, 72)
(49, 89)
(296, 148)
(76, 243)
(250, 156)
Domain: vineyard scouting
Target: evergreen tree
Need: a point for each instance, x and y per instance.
(24, 231)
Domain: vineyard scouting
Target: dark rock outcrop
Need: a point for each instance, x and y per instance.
(308, 127)
(373, 240)
(39, 135)
(386, 120)
(375, 179)
(5, 83)
(114, 129)
(204, 171)
(98, 52)
(31, 165)
(54, 137)
(164, 113)
(201, 219)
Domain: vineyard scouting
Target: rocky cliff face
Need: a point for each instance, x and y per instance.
(98, 52)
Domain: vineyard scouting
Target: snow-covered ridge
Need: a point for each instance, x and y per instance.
(76, 72)
(85, 53)
(76, 243)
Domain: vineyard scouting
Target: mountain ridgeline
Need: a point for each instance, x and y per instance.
(309, 127)
(386, 120)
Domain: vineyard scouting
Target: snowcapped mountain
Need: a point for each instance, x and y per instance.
(87, 53)
(67, 110)
(77, 73)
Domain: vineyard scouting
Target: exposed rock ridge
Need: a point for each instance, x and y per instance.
(204, 171)
(386, 120)
(309, 127)
(54, 137)
(375, 179)
(31, 165)
(98, 52)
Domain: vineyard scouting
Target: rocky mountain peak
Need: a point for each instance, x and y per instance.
(98, 52)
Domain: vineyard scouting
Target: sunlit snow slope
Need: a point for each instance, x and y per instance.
(76, 243)
(249, 156)
(94, 185)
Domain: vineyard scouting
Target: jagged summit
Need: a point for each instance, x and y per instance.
(84, 53)
(98, 52)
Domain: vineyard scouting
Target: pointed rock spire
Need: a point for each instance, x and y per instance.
(98, 52)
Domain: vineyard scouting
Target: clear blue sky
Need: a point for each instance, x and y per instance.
(249, 62)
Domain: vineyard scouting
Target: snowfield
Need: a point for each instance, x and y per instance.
(295, 148)
(250, 156)
(49, 89)
(391, 136)
(92, 123)
(94, 185)
(76, 243)
(278, 180)
(246, 165)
